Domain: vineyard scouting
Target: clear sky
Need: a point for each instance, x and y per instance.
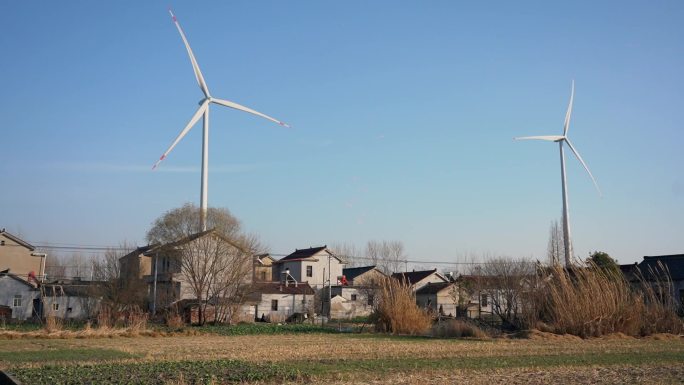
(403, 116)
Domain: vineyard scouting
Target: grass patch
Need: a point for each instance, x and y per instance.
(191, 372)
(63, 355)
(263, 328)
(356, 368)
(237, 371)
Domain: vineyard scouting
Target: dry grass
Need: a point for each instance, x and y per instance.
(457, 329)
(397, 311)
(591, 302)
(53, 323)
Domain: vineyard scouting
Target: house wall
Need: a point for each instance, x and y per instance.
(9, 287)
(432, 278)
(135, 265)
(287, 305)
(443, 298)
(344, 307)
(71, 307)
(368, 278)
(18, 258)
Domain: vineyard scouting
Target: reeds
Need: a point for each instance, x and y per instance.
(589, 302)
(397, 311)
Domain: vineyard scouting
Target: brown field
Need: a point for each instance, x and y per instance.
(357, 358)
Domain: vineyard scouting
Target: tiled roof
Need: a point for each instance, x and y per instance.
(353, 272)
(414, 276)
(303, 253)
(433, 288)
(674, 264)
(17, 240)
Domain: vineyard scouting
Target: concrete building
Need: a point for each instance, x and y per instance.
(313, 266)
(20, 257)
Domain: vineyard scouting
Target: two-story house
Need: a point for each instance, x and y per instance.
(20, 257)
(315, 265)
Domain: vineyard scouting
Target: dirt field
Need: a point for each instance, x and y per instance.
(371, 359)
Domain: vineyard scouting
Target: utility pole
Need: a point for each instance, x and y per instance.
(154, 289)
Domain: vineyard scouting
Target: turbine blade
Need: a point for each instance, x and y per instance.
(550, 138)
(187, 128)
(236, 106)
(195, 67)
(583, 164)
(566, 124)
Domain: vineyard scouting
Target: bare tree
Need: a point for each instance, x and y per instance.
(213, 266)
(556, 248)
(117, 290)
(388, 256)
(348, 252)
(505, 281)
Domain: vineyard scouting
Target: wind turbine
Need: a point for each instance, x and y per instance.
(203, 111)
(560, 139)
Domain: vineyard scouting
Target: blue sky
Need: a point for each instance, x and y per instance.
(403, 115)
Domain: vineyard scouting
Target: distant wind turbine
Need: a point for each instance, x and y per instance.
(567, 241)
(203, 111)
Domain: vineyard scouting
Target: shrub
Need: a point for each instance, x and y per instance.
(457, 328)
(397, 311)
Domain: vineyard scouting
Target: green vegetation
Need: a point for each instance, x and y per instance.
(191, 372)
(234, 371)
(63, 355)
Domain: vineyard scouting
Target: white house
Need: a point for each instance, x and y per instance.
(21, 296)
(439, 298)
(70, 299)
(418, 279)
(277, 301)
(355, 295)
(313, 266)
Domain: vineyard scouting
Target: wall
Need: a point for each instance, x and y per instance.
(18, 259)
(287, 304)
(9, 287)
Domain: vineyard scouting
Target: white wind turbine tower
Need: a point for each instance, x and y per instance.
(560, 139)
(203, 111)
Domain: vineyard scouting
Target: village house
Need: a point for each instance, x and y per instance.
(655, 267)
(313, 265)
(279, 301)
(440, 298)
(22, 297)
(263, 268)
(19, 257)
(73, 299)
(418, 279)
(355, 293)
(159, 266)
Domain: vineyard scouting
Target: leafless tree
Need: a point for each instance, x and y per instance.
(556, 247)
(117, 290)
(348, 252)
(506, 281)
(388, 256)
(215, 266)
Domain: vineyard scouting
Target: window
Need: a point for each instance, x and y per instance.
(274, 304)
(353, 297)
(371, 299)
(483, 301)
(309, 271)
(17, 301)
(55, 306)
